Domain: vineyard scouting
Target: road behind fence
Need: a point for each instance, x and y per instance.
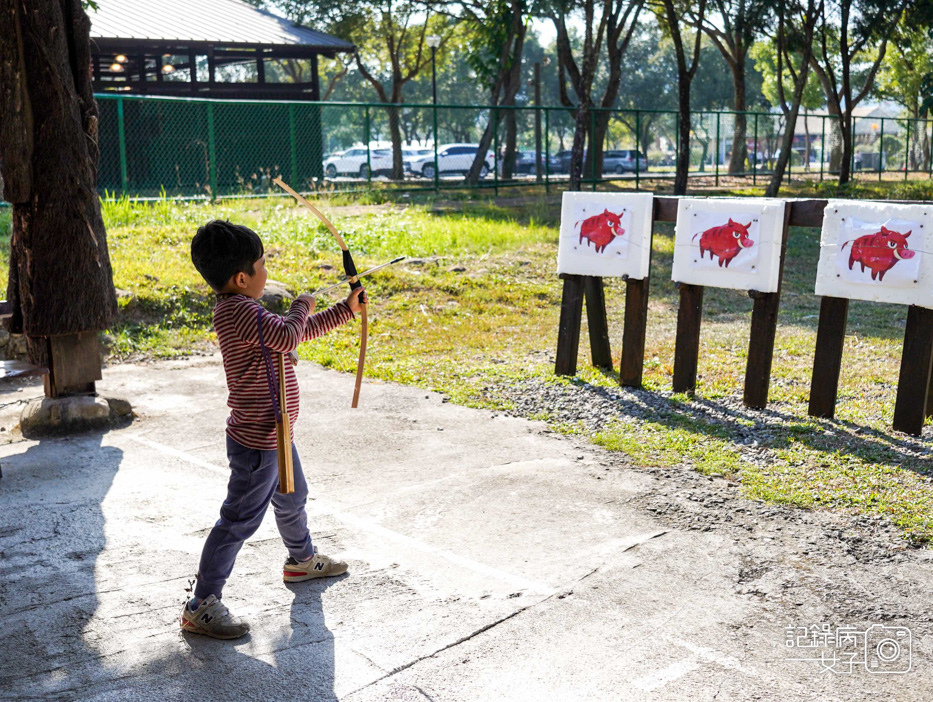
(202, 148)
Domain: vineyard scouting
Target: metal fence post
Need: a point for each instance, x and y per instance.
(638, 149)
(495, 152)
(880, 149)
(434, 135)
(907, 150)
(212, 150)
(755, 166)
(593, 147)
(852, 155)
(823, 148)
(718, 145)
(121, 135)
(368, 137)
(293, 142)
(547, 151)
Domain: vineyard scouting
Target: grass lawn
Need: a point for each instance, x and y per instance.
(476, 310)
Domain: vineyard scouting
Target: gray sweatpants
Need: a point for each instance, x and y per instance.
(254, 479)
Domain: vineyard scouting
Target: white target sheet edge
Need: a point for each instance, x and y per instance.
(757, 268)
(909, 281)
(589, 241)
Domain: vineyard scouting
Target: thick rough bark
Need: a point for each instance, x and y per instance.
(60, 276)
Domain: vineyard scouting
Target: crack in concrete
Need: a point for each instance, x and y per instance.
(643, 541)
(426, 695)
(560, 594)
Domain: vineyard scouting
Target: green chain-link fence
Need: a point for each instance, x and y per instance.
(196, 147)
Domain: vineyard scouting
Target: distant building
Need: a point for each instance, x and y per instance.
(202, 48)
(218, 49)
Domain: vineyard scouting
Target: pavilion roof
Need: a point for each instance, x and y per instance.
(231, 23)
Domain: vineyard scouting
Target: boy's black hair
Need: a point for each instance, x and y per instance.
(220, 250)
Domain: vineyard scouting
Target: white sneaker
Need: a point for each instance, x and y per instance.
(320, 566)
(212, 618)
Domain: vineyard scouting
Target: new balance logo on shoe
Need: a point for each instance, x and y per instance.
(207, 618)
(319, 565)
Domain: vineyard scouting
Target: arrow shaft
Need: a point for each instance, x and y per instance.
(364, 273)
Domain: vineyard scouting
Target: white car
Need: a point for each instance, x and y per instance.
(451, 158)
(353, 162)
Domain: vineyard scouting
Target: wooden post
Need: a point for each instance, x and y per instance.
(687, 345)
(597, 322)
(930, 397)
(827, 360)
(635, 326)
(74, 364)
(913, 385)
(633, 333)
(764, 329)
(568, 333)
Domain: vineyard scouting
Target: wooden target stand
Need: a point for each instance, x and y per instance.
(914, 401)
(761, 337)
(580, 287)
(689, 317)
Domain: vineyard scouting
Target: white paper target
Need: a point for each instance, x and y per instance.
(729, 243)
(877, 251)
(605, 234)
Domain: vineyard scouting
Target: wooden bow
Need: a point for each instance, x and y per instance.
(349, 268)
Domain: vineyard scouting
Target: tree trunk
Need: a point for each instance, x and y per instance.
(683, 136)
(472, 176)
(598, 145)
(845, 166)
(835, 153)
(787, 142)
(740, 129)
(579, 140)
(60, 279)
(704, 143)
(395, 134)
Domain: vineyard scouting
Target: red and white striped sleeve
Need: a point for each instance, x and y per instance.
(282, 334)
(328, 320)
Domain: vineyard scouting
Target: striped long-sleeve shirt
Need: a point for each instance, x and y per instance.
(252, 415)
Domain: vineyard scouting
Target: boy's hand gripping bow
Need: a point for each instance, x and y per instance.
(350, 269)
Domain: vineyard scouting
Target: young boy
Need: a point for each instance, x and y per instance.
(230, 257)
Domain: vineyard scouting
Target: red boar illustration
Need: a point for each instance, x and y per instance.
(601, 229)
(879, 251)
(725, 241)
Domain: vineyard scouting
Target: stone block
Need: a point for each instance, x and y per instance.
(65, 415)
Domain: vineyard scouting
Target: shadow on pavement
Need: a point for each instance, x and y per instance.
(51, 534)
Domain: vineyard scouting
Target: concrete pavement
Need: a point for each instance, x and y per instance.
(489, 560)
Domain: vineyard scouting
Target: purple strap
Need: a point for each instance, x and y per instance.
(270, 374)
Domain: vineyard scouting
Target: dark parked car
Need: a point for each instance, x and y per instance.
(525, 163)
(614, 161)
